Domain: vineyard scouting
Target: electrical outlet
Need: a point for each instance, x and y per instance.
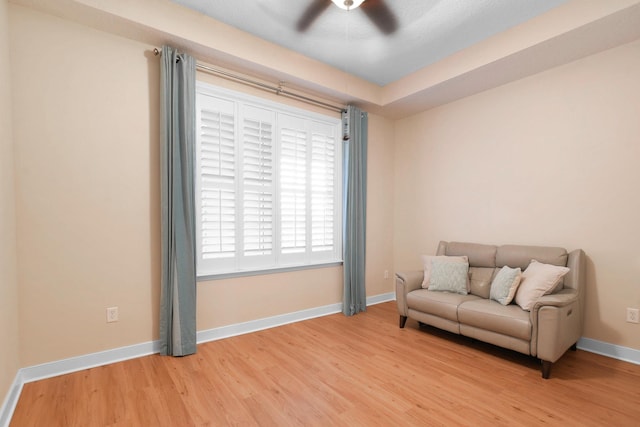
(112, 314)
(633, 315)
(386, 274)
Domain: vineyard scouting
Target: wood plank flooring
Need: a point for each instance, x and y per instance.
(339, 371)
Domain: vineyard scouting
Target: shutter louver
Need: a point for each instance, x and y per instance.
(323, 160)
(217, 184)
(293, 185)
(258, 187)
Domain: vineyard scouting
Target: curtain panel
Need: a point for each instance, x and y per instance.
(355, 212)
(177, 145)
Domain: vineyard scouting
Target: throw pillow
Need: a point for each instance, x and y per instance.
(426, 263)
(537, 280)
(505, 284)
(449, 276)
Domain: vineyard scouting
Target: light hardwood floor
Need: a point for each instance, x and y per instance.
(334, 370)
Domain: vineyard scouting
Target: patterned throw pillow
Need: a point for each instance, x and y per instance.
(505, 284)
(449, 276)
(427, 260)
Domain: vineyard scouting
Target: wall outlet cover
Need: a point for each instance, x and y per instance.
(112, 314)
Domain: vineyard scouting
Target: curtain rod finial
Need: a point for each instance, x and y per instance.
(156, 52)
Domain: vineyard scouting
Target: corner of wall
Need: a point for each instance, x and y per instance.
(9, 356)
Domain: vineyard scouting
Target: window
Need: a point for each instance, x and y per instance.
(268, 184)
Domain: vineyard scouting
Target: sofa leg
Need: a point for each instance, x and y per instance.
(574, 347)
(546, 369)
(403, 320)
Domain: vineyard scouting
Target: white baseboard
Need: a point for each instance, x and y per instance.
(10, 402)
(74, 364)
(282, 319)
(379, 299)
(619, 352)
(86, 361)
(266, 323)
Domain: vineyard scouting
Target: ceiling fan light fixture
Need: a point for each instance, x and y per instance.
(347, 4)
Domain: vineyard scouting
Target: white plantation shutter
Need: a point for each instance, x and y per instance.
(323, 189)
(293, 185)
(258, 183)
(268, 184)
(216, 181)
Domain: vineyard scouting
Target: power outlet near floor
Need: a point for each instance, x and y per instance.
(112, 314)
(633, 315)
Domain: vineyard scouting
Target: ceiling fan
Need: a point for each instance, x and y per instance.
(376, 10)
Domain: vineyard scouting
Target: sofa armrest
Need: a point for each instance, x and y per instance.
(557, 324)
(405, 283)
(559, 299)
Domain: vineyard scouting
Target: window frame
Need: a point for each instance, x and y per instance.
(241, 264)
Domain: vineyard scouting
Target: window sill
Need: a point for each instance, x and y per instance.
(230, 275)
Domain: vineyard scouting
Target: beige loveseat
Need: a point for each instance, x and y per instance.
(551, 326)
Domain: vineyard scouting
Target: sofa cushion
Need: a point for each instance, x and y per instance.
(442, 304)
(490, 315)
(480, 281)
(520, 256)
(505, 285)
(449, 276)
(479, 255)
(427, 261)
(537, 280)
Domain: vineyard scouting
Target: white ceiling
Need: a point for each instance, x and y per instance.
(428, 30)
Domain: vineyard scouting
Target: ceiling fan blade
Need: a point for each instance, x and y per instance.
(380, 15)
(314, 10)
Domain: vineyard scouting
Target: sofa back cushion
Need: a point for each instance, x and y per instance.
(480, 279)
(520, 256)
(479, 255)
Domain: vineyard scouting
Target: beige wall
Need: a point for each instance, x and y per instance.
(85, 113)
(9, 355)
(380, 181)
(551, 160)
(87, 170)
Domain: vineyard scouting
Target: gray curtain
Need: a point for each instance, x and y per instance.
(355, 211)
(177, 145)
